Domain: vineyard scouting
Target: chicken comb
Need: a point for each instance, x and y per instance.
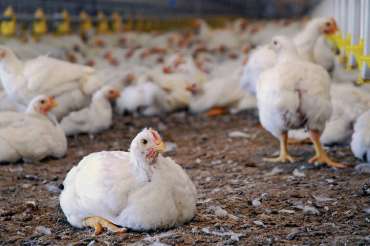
(157, 138)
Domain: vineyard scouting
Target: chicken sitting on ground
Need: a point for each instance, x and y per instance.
(140, 189)
(32, 135)
(144, 98)
(96, 118)
(294, 94)
(360, 144)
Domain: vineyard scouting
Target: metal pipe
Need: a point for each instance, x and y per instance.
(343, 17)
(356, 22)
(366, 29)
(365, 72)
(363, 13)
(337, 10)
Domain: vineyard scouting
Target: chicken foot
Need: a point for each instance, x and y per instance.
(98, 223)
(283, 156)
(321, 155)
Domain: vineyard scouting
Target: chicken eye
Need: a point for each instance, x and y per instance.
(327, 23)
(275, 42)
(144, 141)
(42, 101)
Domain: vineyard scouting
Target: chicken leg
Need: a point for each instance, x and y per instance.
(283, 156)
(98, 223)
(321, 156)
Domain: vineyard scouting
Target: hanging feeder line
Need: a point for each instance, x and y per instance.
(353, 41)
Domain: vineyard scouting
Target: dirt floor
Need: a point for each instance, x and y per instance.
(242, 200)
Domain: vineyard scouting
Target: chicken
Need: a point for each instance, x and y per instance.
(32, 135)
(348, 103)
(219, 39)
(96, 118)
(139, 189)
(219, 92)
(22, 81)
(145, 98)
(260, 60)
(360, 144)
(311, 44)
(294, 94)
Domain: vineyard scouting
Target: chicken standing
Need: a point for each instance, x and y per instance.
(294, 94)
(96, 118)
(32, 135)
(140, 189)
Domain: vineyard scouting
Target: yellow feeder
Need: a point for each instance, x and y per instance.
(342, 43)
(64, 27)
(116, 22)
(85, 22)
(102, 25)
(363, 62)
(9, 24)
(129, 24)
(39, 27)
(334, 39)
(139, 24)
(355, 50)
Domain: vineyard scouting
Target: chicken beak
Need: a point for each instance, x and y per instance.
(49, 105)
(52, 103)
(114, 95)
(160, 147)
(332, 29)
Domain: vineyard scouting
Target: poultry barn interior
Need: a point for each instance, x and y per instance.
(173, 122)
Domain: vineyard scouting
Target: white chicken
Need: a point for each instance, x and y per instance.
(219, 92)
(360, 144)
(32, 135)
(145, 98)
(312, 45)
(348, 103)
(260, 60)
(22, 81)
(96, 118)
(218, 39)
(294, 94)
(139, 189)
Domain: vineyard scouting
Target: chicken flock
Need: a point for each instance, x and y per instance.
(62, 86)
